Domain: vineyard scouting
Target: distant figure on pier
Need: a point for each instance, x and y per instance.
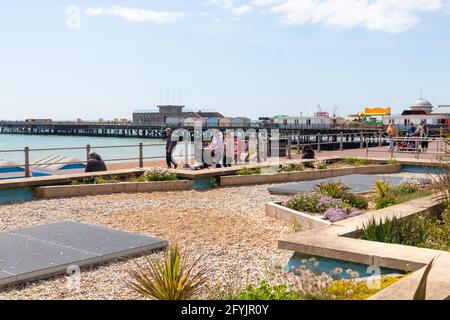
(392, 133)
(308, 152)
(170, 146)
(95, 163)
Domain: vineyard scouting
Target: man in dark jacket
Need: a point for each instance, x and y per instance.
(170, 145)
(95, 163)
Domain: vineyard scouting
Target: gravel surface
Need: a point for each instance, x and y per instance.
(226, 226)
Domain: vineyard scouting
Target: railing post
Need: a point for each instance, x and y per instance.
(141, 155)
(341, 143)
(186, 155)
(27, 162)
(361, 145)
(319, 138)
(258, 148)
(88, 150)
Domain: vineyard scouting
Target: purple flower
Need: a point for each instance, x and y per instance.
(336, 214)
(285, 203)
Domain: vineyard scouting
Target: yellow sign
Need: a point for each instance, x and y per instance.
(378, 112)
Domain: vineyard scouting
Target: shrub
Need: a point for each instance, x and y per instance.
(412, 232)
(381, 203)
(267, 292)
(292, 167)
(320, 165)
(404, 189)
(355, 201)
(356, 290)
(355, 161)
(392, 161)
(176, 278)
(214, 182)
(100, 180)
(158, 174)
(248, 171)
(136, 179)
(333, 189)
(314, 203)
(382, 188)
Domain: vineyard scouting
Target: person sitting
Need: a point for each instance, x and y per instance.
(308, 153)
(95, 163)
(411, 130)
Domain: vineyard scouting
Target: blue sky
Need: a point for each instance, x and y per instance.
(249, 57)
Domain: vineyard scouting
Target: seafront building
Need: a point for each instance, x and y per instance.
(420, 111)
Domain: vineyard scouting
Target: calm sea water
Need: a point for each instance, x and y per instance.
(9, 142)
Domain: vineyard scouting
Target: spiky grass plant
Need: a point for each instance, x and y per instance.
(177, 277)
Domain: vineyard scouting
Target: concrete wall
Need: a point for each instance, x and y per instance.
(110, 188)
(307, 175)
(305, 220)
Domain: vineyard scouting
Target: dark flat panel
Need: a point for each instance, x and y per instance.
(23, 255)
(98, 240)
(357, 182)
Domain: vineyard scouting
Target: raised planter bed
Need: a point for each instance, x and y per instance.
(305, 220)
(307, 175)
(110, 188)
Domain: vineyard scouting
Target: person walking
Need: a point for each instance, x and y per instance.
(217, 148)
(392, 134)
(424, 136)
(95, 163)
(170, 146)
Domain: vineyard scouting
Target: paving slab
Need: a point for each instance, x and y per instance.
(24, 256)
(39, 252)
(358, 183)
(101, 241)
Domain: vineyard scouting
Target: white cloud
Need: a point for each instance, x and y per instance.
(138, 15)
(230, 6)
(385, 15)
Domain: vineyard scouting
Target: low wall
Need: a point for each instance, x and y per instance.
(110, 188)
(305, 220)
(307, 175)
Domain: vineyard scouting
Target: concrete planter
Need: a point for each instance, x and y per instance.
(110, 188)
(307, 175)
(305, 220)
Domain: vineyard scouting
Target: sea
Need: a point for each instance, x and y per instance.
(19, 142)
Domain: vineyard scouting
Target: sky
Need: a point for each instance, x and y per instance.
(103, 59)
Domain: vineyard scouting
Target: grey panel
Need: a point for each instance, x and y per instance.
(98, 240)
(39, 252)
(358, 183)
(22, 255)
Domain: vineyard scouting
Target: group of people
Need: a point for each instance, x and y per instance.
(420, 132)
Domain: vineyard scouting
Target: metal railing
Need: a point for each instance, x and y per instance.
(417, 146)
(138, 155)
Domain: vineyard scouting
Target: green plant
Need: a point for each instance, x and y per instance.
(267, 292)
(385, 202)
(333, 189)
(100, 180)
(392, 161)
(114, 179)
(356, 290)
(355, 161)
(382, 188)
(178, 277)
(158, 174)
(214, 182)
(248, 171)
(320, 165)
(136, 179)
(410, 232)
(356, 201)
(292, 167)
